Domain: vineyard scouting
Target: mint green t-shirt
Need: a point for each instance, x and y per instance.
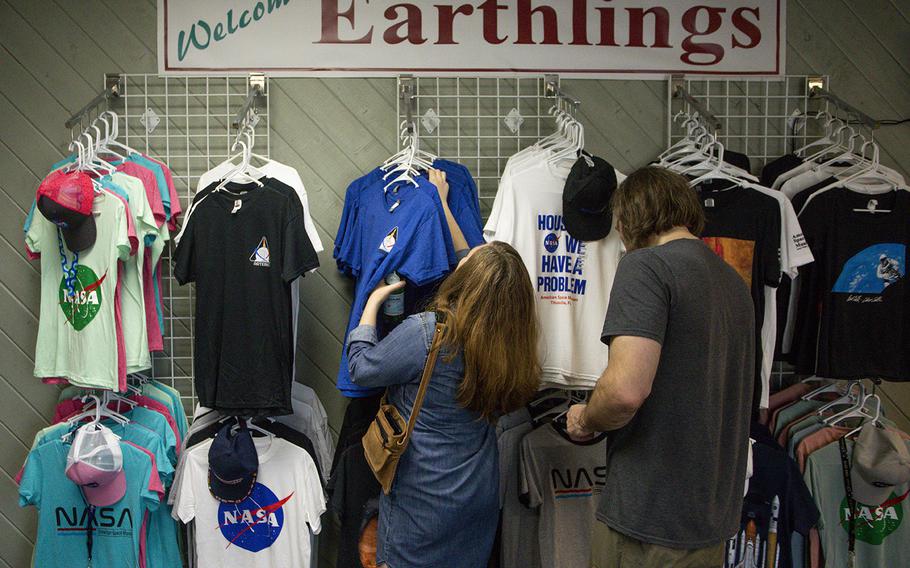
(882, 533)
(77, 334)
(132, 301)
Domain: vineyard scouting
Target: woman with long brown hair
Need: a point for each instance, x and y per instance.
(443, 507)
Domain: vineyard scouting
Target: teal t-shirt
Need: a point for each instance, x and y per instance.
(63, 513)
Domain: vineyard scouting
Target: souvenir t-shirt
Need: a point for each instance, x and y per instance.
(63, 513)
(571, 279)
(565, 479)
(243, 251)
(266, 530)
(743, 227)
(775, 168)
(882, 531)
(518, 521)
(352, 487)
(399, 231)
(132, 303)
(854, 299)
(76, 331)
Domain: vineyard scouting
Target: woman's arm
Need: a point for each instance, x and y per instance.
(438, 178)
(397, 359)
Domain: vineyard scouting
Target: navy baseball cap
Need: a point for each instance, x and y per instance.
(233, 464)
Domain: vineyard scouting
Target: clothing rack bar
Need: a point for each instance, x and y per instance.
(251, 104)
(552, 89)
(112, 89)
(817, 92)
(680, 92)
(407, 96)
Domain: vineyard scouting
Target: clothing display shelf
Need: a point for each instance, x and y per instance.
(186, 122)
(477, 121)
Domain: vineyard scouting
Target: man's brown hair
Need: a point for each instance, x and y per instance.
(652, 201)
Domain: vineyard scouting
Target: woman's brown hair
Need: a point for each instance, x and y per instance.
(491, 319)
(652, 201)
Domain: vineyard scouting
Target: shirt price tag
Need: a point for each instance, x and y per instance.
(238, 203)
(709, 202)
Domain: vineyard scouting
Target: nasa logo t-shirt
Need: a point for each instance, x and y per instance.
(571, 279)
(268, 529)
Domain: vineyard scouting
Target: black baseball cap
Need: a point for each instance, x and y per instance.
(233, 464)
(586, 199)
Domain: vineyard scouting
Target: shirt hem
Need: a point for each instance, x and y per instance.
(634, 332)
(650, 539)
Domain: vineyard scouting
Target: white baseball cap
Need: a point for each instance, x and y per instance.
(95, 464)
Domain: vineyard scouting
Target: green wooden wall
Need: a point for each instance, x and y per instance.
(53, 54)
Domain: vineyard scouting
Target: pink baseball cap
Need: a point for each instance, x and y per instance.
(95, 464)
(65, 199)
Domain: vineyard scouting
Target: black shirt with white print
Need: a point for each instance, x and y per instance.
(243, 247)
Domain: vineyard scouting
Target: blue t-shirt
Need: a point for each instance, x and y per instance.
(157, 423)
(404, 240)
(63, 513)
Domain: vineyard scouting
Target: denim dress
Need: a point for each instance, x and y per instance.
(443, 507)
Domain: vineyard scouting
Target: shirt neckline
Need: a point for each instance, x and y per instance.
(250, 193)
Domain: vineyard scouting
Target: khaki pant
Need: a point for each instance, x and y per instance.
(611, 549)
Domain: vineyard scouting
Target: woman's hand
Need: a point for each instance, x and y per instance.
(438, 178)
(379, 295)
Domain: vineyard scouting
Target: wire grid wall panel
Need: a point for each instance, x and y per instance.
(186, 123)
(479, 122)
(756, 115)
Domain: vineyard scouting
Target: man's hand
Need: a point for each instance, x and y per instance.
(575, 423)
(438, 178)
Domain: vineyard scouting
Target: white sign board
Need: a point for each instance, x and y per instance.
(575, 38)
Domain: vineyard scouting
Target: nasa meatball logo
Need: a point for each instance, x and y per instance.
(551, 242)
(255, 523)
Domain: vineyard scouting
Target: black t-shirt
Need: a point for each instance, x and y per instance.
(243, 249)
(352, 487)
(775, 474)
(775, 168)
(854, 304)
(743, 228)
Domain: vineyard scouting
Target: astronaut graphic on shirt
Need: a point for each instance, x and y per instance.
(889, 269)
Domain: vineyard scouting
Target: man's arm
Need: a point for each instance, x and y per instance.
(621, 390)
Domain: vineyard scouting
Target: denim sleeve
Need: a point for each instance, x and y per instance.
(397, 359)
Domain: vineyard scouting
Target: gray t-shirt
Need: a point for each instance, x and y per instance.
(564, 479)
(675, 473)
(518, 521)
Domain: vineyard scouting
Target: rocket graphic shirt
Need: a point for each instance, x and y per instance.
(571, 279)
(564, 479)
(77, 336)
(266, 530)
(243, 247)
(882, 531)
(854, 303)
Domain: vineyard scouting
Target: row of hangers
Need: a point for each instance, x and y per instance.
(406, 165)
(860, 404)
(700, 154)
(91, 144)
(567, 142)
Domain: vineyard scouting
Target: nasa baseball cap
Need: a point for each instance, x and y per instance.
(881, 465)
(65, 199)
(95, 464)
(586, 208)
(233, 464)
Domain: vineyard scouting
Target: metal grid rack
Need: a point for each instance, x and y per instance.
(186, 123)
(762, 118)
(479, 122)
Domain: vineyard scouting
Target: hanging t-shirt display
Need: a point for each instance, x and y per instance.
(242, 249)
(76, 329)
(571, 279)
(743, 227)
(854, 299)
(565, 479)
(269, 527)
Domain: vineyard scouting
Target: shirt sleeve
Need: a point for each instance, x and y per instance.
(501, 222)
(185, 255)
(299, 254)
(771, 246)
(313, 499)
(398, 359)
(797, 250)
(185, 503)
(529, 485)
(34, 232)
(640, 299)
(122, 233)
(30, 485)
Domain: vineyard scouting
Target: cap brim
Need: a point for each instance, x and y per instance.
(587, 227)
(107, 494)
(231, 492)
(82, 237)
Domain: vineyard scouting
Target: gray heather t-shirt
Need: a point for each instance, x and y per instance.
(675, 473)
(564, 479)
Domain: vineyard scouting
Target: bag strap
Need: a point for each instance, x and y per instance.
(428, 368)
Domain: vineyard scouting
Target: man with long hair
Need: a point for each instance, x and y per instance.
(677, 391)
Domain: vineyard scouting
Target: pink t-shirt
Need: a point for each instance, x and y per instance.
(156, 340)
(156, 486)
(176, 210)
(150, 184)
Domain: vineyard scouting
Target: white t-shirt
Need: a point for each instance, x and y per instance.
(269, 528)
(571, 279)
(794, 252)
